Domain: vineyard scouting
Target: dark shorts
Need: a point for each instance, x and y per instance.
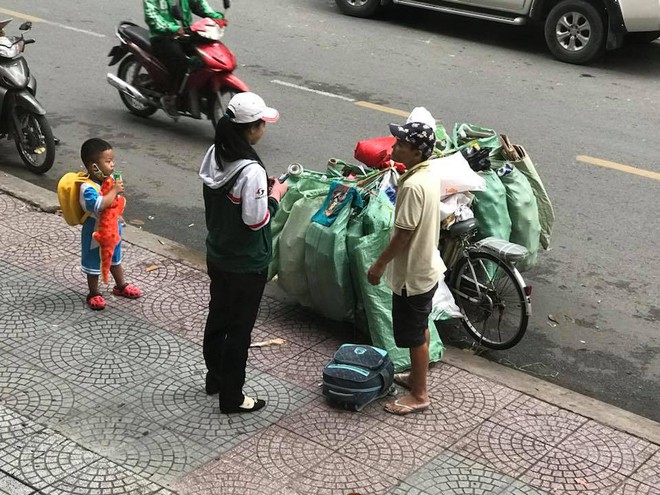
(410, 317)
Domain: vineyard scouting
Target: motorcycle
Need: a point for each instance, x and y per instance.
(207, 87)
(22, 118)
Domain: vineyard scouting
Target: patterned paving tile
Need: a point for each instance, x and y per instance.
(519, 488)
(33, 254)
(11, 206)
(470, 393)
(46, 457)
(102, 478)
(15, 430)
(179, 402)
(649, 473)
(37, 394)
(137, 444)
(271, 308)
(301, 327)
(337, 474)
(35, 223)
(451, 474)
(11, 237)
(19, 327)
(333, 428)
(279, 452)
(609, 448)
(86, 364)
(190, 327)
(273, 356)
(224, 477)
(561, 472)
(501, 449)
(438, 424)
(392, 451)
(66, 239)
(538, 420)
(304, 369)
(168, 304)
(154, 270)
(11, 486)
(632, 487)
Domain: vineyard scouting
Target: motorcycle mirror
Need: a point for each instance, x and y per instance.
(226, 4)
(26, 26)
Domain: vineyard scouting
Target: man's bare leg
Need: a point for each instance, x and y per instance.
(418, 397)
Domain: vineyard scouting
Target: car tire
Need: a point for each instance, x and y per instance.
(642, 38)
(575, 32)
(359, 8)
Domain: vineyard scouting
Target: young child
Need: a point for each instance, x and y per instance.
(98, 157)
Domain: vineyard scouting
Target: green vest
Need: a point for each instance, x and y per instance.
(230, 244)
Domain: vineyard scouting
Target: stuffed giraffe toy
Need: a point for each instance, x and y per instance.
(107, 235)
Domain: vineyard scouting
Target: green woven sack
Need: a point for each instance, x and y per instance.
(546, 211)
(490, 208)
(465, 135)
(309, 184)
(369, 234)
(291, 253)
(326, 266)
(525, 226)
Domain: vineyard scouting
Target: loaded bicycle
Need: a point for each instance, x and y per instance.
(488, 289)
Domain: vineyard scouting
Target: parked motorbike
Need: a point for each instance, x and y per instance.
(142, 80)
(22, 118)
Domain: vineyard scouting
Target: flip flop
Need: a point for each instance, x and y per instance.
(403, 408)
(127, 290)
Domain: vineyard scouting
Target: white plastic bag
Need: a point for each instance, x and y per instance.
(444, 306)
(421, 114)
(456, 175)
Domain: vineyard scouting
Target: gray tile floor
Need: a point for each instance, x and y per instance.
(113, 402)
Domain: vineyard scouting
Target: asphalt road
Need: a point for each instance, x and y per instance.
(600, 281)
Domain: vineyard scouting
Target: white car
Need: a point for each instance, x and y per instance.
(576, 31)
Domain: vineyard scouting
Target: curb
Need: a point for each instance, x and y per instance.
(563, 398)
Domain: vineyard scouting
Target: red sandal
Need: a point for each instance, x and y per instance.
(127, 290)
(96, 302)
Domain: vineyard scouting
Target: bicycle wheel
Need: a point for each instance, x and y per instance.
(491, 299)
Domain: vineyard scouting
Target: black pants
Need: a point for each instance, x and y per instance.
(170, 52)
(235, 299)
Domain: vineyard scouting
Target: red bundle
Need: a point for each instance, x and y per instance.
(377, 152)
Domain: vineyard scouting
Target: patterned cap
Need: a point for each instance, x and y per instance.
(420, 135)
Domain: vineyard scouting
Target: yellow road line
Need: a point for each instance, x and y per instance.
(618, 166)
(27, 17)
(381, 108)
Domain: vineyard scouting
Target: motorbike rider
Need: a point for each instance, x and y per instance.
(164, 28)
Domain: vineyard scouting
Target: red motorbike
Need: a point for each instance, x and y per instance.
(207, 87)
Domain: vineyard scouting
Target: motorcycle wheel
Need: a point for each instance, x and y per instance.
(35, 142)
(219, 104)
(131, 71)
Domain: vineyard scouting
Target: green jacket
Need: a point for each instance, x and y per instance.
(159, 18)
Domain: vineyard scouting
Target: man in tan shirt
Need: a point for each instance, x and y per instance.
(412, 258)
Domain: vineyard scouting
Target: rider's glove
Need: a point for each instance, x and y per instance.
(221, 22)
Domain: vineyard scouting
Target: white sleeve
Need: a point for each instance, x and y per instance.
(252, 189)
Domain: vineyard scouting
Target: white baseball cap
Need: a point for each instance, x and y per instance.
(249, 107)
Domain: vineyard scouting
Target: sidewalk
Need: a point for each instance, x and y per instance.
(113, 402)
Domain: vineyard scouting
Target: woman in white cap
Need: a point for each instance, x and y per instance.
(239, 206)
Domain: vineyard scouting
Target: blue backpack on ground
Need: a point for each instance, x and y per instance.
(357, 375)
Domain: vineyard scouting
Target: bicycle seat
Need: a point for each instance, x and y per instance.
(465, 227)
(137, 34)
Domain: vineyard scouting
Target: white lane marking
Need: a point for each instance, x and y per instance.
(304, 88)
(32, 18)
